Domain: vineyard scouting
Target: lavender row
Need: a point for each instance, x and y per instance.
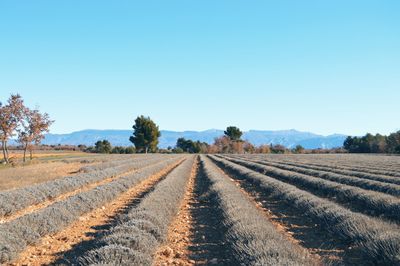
(378, 241)
(16, 235)
(365, 201)
(15, 200)
(134, 240)
(252, 238)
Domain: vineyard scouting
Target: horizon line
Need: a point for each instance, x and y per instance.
(210, 129)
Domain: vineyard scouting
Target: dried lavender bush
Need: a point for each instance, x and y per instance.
(378, 241)
(140, 231)
(28, 229)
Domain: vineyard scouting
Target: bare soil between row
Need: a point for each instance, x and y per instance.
(298, 228)
(65, 246)
(196, 236)
(46, 203)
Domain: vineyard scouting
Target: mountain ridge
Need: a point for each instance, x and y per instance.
(120, 137)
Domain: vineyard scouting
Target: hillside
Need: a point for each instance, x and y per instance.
(288, 138)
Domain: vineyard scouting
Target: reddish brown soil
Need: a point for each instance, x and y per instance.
(50, 247)
(175, 250)
(271, 217)
(64, 196)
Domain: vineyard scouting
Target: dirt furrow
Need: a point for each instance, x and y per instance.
(297, 228)
(64, 196)
(270, 216)
(176, 251)
(207, 245)
(54, 247)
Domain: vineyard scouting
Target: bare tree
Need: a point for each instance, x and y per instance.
(33, 127)
(10, 117)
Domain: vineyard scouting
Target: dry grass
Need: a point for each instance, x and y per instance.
(45, 166)
(17, 177)
(46, 156)
(41, 154)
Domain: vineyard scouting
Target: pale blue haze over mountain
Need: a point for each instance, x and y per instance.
(289, 138)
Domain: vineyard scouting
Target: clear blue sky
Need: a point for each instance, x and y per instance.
(321, 66)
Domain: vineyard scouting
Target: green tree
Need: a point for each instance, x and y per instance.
(118, 150)
(103, 146)
(351, 144)
(145, 135)
(181, 143)
(393, 142)
(130, 150)
(233, 133)
(373, 143)
(189, 145)
(177, 150)
(298, 149)
(378, 144)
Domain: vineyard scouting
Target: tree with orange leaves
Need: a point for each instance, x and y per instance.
(33, 127)
(10, 118)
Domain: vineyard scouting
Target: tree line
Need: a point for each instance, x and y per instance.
(373, 143)
(104, 146)
(146, 134)
(29, 125)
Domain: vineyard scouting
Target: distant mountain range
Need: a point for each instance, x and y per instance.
(288, 138)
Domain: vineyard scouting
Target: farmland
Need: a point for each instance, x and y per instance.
(45, 167)
(180, 209)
